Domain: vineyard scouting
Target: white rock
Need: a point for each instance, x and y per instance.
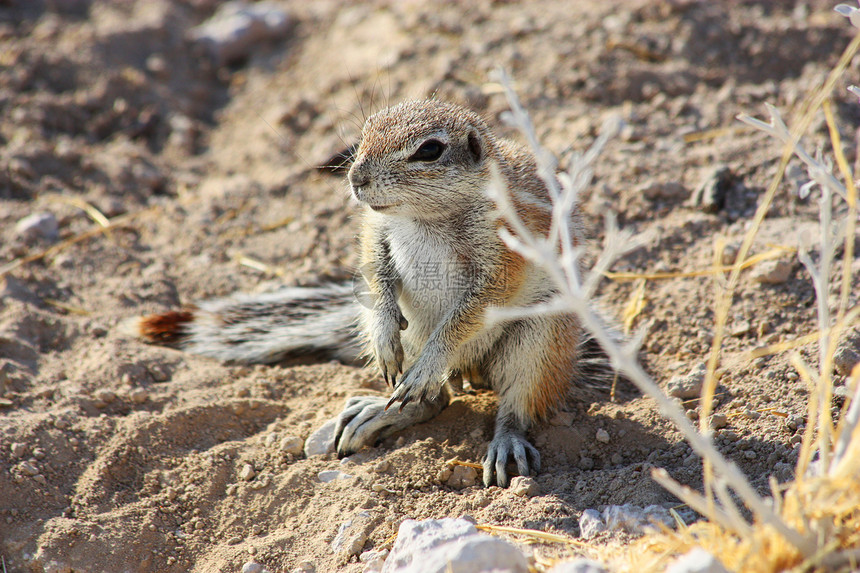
(580, 565)
(251, 567)
(773, 272)
(697, 561)
(524, 486)
(591, 524)
(451, 545)
(635, 519)
(291, 445)
(233, 31)
(38, 226)
(689, 385)
(321, 442)
(602, 436)
(331, 475)
(247, 473)
(351, 535)
(373, 560)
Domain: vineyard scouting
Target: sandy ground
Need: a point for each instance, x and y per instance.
(118, 456)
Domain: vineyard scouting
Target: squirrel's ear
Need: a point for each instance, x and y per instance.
(476, 146)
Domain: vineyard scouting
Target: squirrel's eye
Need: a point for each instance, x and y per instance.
(430, 150)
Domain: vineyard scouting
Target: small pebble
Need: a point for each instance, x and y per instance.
(382, 466)
(18, 449)
(38, 226)
(40, 479)
(292, 445)
(271, 439)
(591, 524)
(251, 567)
(773, 272)
(327, 476)
(751, 414)
(138, 395)
(586, 463)
(234, 540)
(602, 436)
(719, 421)
(321, 441)
(247, 473)
(351, 535)
(28, 469)
(462, 476)
(689, 385)
(104, 395)
(710, 195)
(524, 486)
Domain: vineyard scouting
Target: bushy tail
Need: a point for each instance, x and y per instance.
(264, 328)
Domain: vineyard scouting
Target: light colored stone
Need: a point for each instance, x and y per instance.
(635, 519)
(697, 561)
(524, 486)
(451, 545)
(602, 436)
(247, 472)
(462, 476)
(104, 395)
(292, 445)
(138, 395)
(773, 272)
(38, 226)
(689, 385)
(719, 421)
(351, 535)
(251, 567)
(591, 524)
(321, 441)
(331, 475)
(18, 449)
(236, 27)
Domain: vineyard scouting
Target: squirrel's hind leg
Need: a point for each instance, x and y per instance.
(531, 367)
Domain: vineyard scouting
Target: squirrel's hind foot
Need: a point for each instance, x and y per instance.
(505, 446)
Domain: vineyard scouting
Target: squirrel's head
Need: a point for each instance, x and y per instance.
(420, 158)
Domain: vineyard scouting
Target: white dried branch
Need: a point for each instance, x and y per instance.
(564, 270)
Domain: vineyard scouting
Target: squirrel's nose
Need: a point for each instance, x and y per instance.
(357, 180)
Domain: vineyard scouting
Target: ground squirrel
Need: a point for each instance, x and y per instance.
(434, 264)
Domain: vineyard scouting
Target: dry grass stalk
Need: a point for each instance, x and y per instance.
(535, 534)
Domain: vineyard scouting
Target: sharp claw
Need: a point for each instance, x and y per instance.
(404, 324)
(405, 401)
(390, 402)
(394, 380)
(385, 375)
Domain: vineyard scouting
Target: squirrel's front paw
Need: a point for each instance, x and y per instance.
(421, 382)
(387, 349)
